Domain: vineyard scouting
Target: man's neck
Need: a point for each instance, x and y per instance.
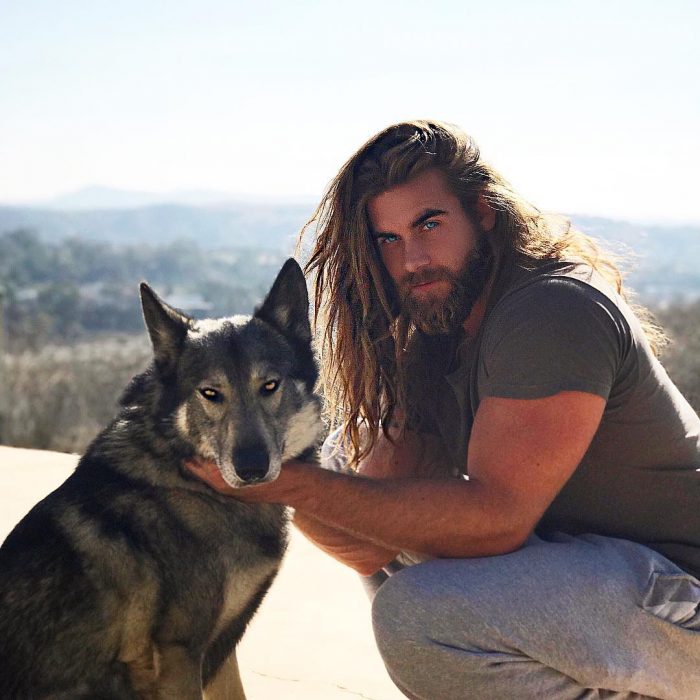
(473, 322)
(476, 316)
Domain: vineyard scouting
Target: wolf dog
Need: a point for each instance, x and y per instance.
(134, 579)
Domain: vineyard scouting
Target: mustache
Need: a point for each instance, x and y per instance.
(435, 274)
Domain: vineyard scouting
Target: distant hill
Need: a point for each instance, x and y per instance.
(664, 259)
(271, 226)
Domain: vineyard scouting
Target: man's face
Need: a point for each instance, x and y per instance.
(434, 254)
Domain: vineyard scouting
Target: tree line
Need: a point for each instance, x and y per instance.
(68, 290)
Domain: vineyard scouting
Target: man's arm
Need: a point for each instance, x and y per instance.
(359, 554)
(521, 453)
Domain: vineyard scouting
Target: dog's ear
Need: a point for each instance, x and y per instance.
(286, 307)
(166, 326)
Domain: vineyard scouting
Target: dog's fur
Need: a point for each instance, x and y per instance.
(134, 579)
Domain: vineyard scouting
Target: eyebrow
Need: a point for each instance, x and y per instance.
(418, 221)
(427, 214)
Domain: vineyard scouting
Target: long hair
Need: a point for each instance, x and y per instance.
(362, 337)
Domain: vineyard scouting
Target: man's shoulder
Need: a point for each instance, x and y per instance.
(548, 285)
(553, 331)
(525, 272)
(556, 300)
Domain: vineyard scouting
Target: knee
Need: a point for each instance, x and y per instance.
(392, 620)
(408, 619)
(418, 605)
(430, 643)
(395, 620)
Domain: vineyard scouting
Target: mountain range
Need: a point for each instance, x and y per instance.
(270, 226)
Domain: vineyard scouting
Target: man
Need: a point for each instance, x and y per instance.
(510, 429)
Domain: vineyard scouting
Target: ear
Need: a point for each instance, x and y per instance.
(485, 214)
(286, 307)
(166, 326)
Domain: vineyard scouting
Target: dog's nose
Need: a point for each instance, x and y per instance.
(251, 463)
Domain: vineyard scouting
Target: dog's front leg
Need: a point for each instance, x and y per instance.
(180, 675)
(226, 684)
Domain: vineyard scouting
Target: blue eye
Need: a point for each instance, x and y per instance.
(388, 238)
(430, 225)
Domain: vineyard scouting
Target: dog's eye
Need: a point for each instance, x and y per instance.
(210, 394)
(269, 387)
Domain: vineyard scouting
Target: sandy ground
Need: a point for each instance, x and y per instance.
(311, 640)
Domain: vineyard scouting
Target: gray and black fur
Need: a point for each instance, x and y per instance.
(134, 579)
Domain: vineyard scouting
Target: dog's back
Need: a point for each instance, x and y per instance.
(133, 576)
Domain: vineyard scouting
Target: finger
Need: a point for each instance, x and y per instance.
(208, 472)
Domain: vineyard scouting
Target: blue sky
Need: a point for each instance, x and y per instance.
(589, 107)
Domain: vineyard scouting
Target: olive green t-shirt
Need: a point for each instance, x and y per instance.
(560, 327)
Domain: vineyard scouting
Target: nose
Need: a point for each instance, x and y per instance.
(415, 254)
(251, 463)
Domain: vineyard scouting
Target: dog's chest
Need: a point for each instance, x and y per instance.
(239, 589)
(250, 557)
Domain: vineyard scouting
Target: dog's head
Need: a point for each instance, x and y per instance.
(239, 390)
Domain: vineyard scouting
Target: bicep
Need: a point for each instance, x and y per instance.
(523, 451)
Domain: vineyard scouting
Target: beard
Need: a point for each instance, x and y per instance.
(438, 316)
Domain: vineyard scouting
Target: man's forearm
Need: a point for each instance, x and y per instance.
(443, 518)
(437, 517)
(363, 556)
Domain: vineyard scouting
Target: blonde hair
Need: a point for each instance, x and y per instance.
(362, 337)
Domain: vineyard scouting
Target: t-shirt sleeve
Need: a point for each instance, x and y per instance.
(554, 335)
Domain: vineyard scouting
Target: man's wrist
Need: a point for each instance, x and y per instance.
(293, 483)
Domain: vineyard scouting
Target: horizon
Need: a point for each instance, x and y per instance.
(583, 106)
(211, 199)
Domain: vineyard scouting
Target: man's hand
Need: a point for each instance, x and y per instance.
(359, 554)
(208, 472)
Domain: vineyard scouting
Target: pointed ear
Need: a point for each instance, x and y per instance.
(286, 307)
(166, 326)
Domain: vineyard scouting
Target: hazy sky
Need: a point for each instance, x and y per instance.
(589, 106)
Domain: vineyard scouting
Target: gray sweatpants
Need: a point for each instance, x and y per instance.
(583, 617)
